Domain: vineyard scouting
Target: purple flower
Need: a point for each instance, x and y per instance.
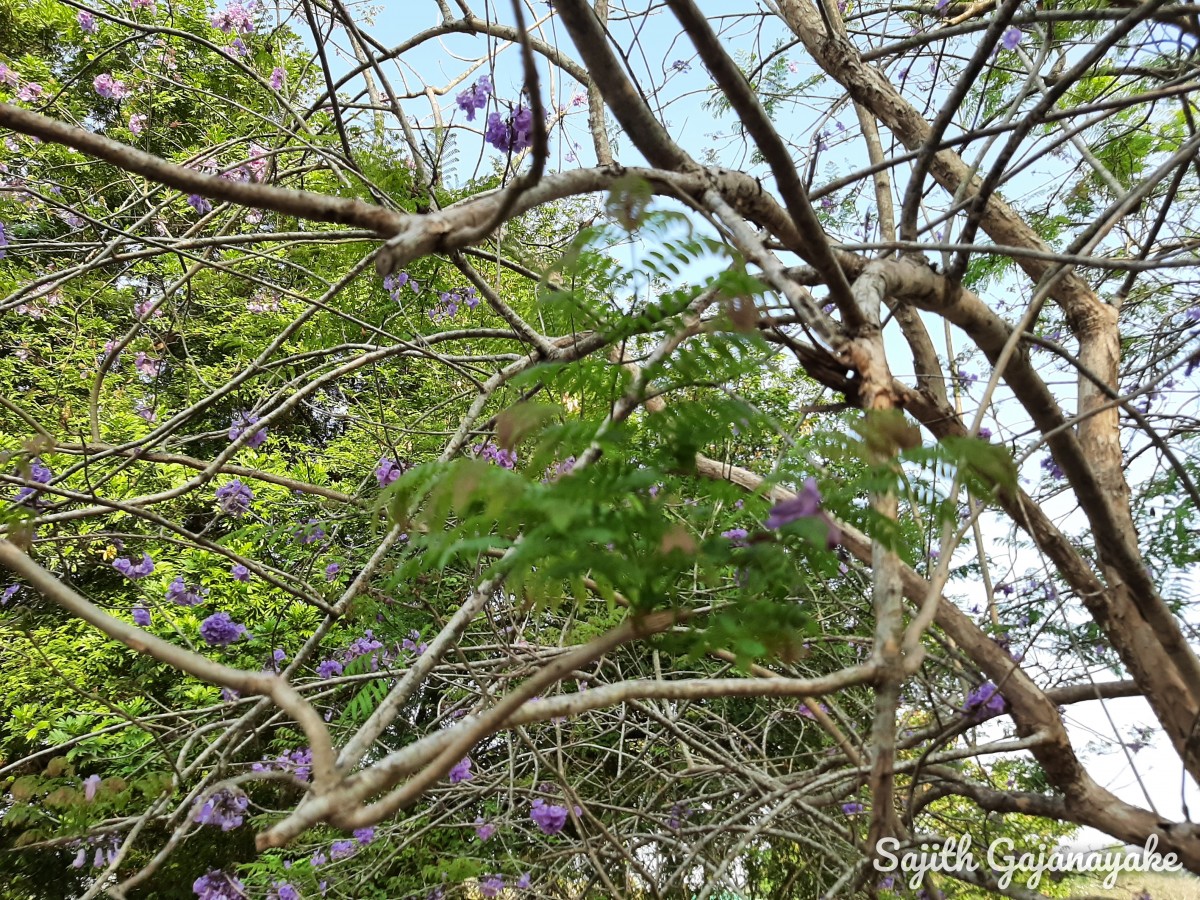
(148, 367)
(182, 595)
(413, 643)
(8, 593)
(109, 87)
(550, 819)
(310, 532)
(243, 422)
(234, 17)
(461, 771)
(276, 80)
(506, 459)
(1012, 36)
(30, 92)
(492, 886)
(342, 849)
(1051, 468)
(141, 617)
(199, 204)
(226, 808)
(297, 762)
(736, 536)
(328, 668)
(216, 885)
(137, 123)
(679, 812)
(134, 571)
(218, 630)
(522, 129)
(985, 702)
(240, 572)
(331, 571)
(852, 809)
(3, 241)
(807, 713)
(87, 22)
(475, 97)
(387, 471)
(498, 133)
(524, 882)
(985, 433)
(281, 890)
(363, 646)
(805, 505)
(142, 4)
(234, 498)
(484, 830)
(38, 474)
(681, 65)
(364, 835)
(90, 785)
(144, 410)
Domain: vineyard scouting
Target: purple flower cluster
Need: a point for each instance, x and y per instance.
(216, 885)
(550, 818)
(449, 302)
(1011, 37)
(226, 808)
(363, 646)
(678, 815)
(297, 762)
(388, 470)
(148, 367)
(510, 135)
(329, 668)
(461, 771)
(852, 809)
(234, 498)
(736, 536)
(413, 643)
(506, 459)
(234, 17)
(133, 571)
(985, 702)
(475, 98)
(342, 849)
(239, 572)
(393, 283)
(87, 22)
(141, 616)
(106, 848)
(492, 886)
(8, 593)
(309, 533)
(805, 505)
(199, 204)
(1051, 468)
(182, 595)
(38, 474)
(108, 87)
(218, 630)
(243, 422)
(559, 469)
(484, 830)
(281, 890)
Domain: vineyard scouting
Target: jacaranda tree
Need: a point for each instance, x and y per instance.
(591, 450)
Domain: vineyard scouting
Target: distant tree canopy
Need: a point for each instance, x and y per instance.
(590, 450)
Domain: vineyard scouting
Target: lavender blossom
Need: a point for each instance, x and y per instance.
(461, 771)
(234, 498)
(985, 702)
(475, 98)
(182, 595)
(134, 571)
(108, 87)
(225, 808)
(218, 630)
(243, 422)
